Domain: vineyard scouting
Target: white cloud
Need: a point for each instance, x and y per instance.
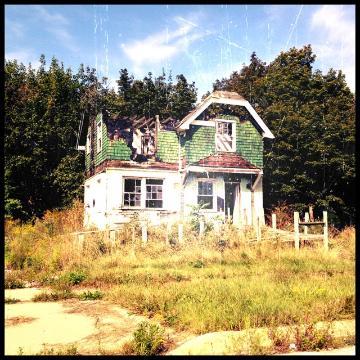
(24, 56)
(335, 32)
(13, 28)
(51, 18)
(163, 45)
(57, 25)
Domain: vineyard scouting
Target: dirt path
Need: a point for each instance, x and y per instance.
(93, 327)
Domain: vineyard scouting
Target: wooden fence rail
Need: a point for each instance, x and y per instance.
(272, 234)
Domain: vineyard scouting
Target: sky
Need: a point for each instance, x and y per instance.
(202, 42)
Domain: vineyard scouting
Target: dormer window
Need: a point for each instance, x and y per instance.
(225, 136)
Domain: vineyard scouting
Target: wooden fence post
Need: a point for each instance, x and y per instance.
(326, 230)
(202, 227)
(273, 221)
(296, 230)
(306, 220)
(81, 238)
(180, 233)
(311, 213)
(144, 237)
(258, 229)
(168, 228)
(112, 237)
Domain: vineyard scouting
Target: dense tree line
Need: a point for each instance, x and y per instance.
(43, 110)
(311, 161)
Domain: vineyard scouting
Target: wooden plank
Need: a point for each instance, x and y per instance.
(326, 231)
(144, 236)
(273, 221)
(309, 223)
(311, 236)
(202, 227)
(296, 230)
(306, 220)
(181, 233)
(258, 229)
(311, 213)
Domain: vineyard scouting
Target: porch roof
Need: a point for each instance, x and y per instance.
(226, 160)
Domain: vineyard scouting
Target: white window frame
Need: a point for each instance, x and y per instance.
(123, 193)
(142, 193)
(99, 136)
(213, 193)
(233, 144)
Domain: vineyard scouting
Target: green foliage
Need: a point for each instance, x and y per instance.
(69, 350)
(148, 339)
(54, 296)
(311, 161)
(9, 300)
(91, 295)
(13, 282)
(43, 170)
(76, 277)
(309, 338)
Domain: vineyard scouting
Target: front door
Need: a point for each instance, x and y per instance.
(230, 196)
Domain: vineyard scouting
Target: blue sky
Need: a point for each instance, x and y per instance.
(203, 42)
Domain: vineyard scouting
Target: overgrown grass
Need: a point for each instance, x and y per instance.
(217, 282)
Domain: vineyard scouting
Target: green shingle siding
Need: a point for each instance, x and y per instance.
(118, 150)
(168, 146)
(249, 143)
(198, 143)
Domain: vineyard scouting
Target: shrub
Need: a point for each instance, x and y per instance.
(11, 300)
(53, 296)
(13, 282)
(89, 295)
(148, 339)
(76, 278)
(310, 338)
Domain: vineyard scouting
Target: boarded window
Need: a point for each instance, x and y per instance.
(132, 192)
(205, 194)
(154, 193)
(225, 136)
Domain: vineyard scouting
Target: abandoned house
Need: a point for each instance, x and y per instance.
(159, 169)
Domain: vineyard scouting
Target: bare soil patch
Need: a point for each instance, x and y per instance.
(93, 327)
(18, 320)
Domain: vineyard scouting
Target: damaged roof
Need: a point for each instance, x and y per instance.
(231, 160)
(223, 97)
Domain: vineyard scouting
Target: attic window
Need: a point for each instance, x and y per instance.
(225, 136)
(147, 145)
(99, 136)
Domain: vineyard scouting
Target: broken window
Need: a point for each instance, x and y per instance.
(134, 196)
(154, 192)
(205, 194)
(147, 145)
(225, 136)
(132, 192)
